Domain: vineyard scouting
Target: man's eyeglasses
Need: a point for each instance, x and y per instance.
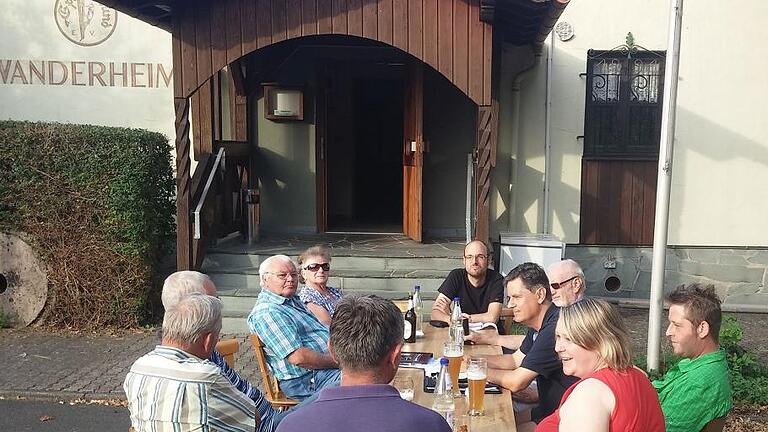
(284, 276)
(317, 266)
(480, 257)
(558, 285)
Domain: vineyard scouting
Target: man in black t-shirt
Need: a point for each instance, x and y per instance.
(480, 289)
(530, 300)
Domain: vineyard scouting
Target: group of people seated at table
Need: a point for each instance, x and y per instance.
(337, 354)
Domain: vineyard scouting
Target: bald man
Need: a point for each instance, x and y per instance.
(480, 289)
(566, 282)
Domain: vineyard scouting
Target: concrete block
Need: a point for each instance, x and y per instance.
(719, 272)
(758, 299)
(731, 259)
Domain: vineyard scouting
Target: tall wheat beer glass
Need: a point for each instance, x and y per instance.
(477, 372)
(454, 352)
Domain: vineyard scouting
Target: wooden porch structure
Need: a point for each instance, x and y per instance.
(458, 38)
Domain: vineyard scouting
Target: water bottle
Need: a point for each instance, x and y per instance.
(444, 404)
(456, 330)
(418, 307)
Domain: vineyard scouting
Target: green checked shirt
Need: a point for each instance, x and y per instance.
(694, 392)
(285, 325)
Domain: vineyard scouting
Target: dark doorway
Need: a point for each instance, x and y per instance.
(365, 165)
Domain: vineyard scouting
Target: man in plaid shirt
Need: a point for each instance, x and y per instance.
(295, 342)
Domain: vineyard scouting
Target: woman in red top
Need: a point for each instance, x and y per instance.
(612, 394)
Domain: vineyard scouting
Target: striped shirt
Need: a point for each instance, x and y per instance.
(285, 325)
(171, 390)
(307, 294)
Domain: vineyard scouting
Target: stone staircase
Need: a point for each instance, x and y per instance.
(387, 268)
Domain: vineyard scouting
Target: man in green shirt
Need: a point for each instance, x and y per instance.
(697, 389)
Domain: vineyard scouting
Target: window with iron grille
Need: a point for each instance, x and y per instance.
(623, 105)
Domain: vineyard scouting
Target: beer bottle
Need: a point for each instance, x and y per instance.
(409, 329)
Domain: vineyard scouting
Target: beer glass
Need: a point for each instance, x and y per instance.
(454, 352)
(405, 386)
(477, 373)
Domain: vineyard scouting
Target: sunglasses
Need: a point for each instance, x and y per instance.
(557, 285)
(317, 266)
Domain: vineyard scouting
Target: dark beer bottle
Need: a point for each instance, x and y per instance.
(409, 329)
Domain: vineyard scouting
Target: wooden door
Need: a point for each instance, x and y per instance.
(413, 150)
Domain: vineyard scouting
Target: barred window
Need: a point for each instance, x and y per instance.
(623, 105)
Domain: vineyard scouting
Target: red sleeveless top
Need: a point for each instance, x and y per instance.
(637, 404)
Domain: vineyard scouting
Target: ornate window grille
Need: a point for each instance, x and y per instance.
(623, 105)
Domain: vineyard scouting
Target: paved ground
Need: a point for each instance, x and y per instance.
(34, 415)
(90, 366)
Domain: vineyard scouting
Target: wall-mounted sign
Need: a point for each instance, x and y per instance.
(84, 22)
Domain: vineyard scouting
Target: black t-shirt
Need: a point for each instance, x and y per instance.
(540, 357)
(474, 300)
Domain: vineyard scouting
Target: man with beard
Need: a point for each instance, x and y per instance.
(479, 289)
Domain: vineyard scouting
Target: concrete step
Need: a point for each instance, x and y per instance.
(231, 262)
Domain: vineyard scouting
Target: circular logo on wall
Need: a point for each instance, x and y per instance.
(84, 22)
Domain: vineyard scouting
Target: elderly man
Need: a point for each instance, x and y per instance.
(295, 341)
(697, 389)
(366, 339)
(535, 356)
(175, 388)
(183, 283)
(480, 289)
(566, 282)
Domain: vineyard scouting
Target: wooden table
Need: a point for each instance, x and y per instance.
(499, 415)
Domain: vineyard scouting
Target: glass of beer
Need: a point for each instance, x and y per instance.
(454, 352)
(477, 373)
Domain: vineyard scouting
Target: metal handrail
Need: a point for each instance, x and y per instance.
(219, 162)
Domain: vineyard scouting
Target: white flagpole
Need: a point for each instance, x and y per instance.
(664, 179)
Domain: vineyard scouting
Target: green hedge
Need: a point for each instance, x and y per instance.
(97, 205)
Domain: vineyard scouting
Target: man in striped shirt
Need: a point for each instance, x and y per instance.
(174, 387)
(183, 283)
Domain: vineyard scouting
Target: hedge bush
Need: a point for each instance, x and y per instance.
(97, 205)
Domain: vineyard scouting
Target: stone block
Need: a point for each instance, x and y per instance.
(758, 299)
(760, 257)
(732, 259)
(719, 272)
(709, 256)
(743, 288)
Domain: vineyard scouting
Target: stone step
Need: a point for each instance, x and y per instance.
(232, 262)
(370, 280)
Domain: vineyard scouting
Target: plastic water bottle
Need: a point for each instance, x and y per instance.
(418, 307)
(444, 404)
(456, 331)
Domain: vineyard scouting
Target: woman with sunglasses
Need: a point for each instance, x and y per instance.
(612, 395)
(321, 299)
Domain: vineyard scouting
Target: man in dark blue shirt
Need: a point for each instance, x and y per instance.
(535, 357)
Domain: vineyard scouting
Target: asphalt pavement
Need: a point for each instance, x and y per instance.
(41, 416)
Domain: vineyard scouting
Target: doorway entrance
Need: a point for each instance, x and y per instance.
(364, 147)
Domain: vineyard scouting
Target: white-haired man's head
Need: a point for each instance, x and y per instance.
(183, 283)
(193, 324)
(566, 280)
(278, 274)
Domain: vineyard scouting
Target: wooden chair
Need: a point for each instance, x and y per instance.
(274, 395)
(228, 348)
(716, 425)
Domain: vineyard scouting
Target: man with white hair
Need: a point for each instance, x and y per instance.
(295, 341)
(184, 283)
(566, 282)
(175, 388)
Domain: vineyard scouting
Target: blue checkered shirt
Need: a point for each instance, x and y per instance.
(285, 325)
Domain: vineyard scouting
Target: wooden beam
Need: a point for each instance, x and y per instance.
(183, 231)
(486, 120)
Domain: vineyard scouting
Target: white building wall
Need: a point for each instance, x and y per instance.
(718, 193)
(31, 34)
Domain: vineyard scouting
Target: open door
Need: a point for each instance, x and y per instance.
(413, 150)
